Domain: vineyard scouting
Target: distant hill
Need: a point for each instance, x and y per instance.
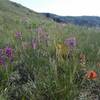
(77, 20)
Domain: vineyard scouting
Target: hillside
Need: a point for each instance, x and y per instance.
(91, 21)
(41, 59)
(14, 17)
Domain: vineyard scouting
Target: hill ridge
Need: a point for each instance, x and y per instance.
(90, 21)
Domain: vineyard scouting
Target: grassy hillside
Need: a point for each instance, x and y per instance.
(44, 60)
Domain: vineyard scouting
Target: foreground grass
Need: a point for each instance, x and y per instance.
(40, 66)
(44, 72)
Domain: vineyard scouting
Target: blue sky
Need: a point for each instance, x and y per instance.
(64, 7)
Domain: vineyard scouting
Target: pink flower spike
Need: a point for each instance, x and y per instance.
(71, 42)
(9, 51)
(18, 34)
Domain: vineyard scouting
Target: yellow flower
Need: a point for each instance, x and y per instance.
(61, 50)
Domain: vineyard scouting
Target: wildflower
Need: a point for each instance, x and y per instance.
(18, 35)
(61, 50)
(9, 52)
(91, 75)
(42, 35)
(70, 42)
(2, 61)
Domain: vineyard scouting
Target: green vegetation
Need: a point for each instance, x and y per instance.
(36, 64)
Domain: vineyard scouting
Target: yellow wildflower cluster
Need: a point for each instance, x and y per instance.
(61, 50)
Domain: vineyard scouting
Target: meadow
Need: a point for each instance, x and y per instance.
(44, 60)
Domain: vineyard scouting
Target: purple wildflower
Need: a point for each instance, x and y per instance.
(18, 34)
(42, 35)
(71, 42)
(2, 61)
(9, 52)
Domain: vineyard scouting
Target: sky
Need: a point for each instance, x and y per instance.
(64, 7)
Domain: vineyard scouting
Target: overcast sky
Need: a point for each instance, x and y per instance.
(64, 7)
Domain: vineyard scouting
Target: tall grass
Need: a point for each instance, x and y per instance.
(46, 72)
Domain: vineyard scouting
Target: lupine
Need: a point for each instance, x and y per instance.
(70, 42)
(9, 52)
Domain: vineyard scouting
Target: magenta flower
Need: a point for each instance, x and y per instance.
(2, 61)
(18, 34)
(9, 52)
(42, 35)
(71, 42)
